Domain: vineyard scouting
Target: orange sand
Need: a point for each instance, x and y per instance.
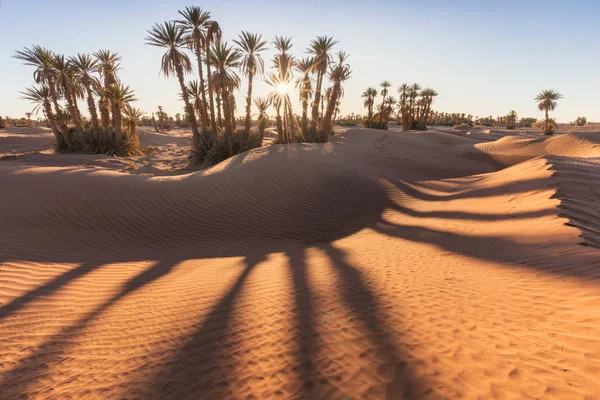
(380, 265)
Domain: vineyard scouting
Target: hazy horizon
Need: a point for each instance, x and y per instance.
(482, 59)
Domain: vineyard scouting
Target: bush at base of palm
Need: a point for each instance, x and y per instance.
(541, 126)
(375, 124)
(98, 142)
(205, 150)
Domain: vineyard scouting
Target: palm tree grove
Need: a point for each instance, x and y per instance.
(378, 200)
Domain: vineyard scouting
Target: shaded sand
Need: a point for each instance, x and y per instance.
(380, 265)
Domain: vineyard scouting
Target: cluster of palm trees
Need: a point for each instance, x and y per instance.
(412, 109)
(113, 120)
(209, 101)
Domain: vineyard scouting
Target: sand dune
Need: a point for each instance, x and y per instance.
(380, 265)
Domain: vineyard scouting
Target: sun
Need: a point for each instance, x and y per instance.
(282, 88)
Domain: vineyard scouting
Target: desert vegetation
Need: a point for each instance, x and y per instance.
(196, 39)
(412, 109)
(547, 100)
(61, 82)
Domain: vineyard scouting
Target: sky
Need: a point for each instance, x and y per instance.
(482, 57)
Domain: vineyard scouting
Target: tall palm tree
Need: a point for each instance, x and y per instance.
(41, 97)
(119, 96)
(194, 25)
(107, 66)
(369, 95)
(65, 77)
(225, 59)
(320, 49)
(427, 96)
(262, 104)
(548, 101)
(511, 119)
(251, 45)
(41, 58)
(384, 92)
(85, 67)
(213, 35)
(304, 84)
(404, 92)
(339, 72)
(171, 37)
(276, 99)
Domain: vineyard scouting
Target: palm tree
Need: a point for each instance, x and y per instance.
(195, 94)
(251, 45)
(304, 84)
(213, 35)
(369, 95)
(84, 68)
(194, 25)
(283, 63)
(427, 96)
(548, 101)
(511, 119)
(170, 36)
(320, 49)
(384, 92)
(41, 58)
(339, 72)
(404, 92)
(119, 96)
(132, 118)
(225, 58)
(65, 78)
(262, 104)
(107, 66)
(41, 97)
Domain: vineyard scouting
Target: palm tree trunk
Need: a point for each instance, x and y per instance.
(53, 94)
(316, 101)
(210, 94)
(248, 102)
(232, 110)
(219, 119)
(188, 107)
(547, 123)
(51, 120)
(203, 110)
(279, 124)
(226, 115)
(116, 114)
(92, 107)
(74, 112)
(327, 120)
(104, 113)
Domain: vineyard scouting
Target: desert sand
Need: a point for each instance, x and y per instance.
(380, 265)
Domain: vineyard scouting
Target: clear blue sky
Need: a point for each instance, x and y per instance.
(483, 57)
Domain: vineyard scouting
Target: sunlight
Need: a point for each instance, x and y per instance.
(282, 88)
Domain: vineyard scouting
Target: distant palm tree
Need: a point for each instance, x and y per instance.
(262, 104)
(41, 58)
(225, 59)
(304, 84)
(213, 35)
(119, 96)
(171, 37)
(369, 95)
(384, 92)
(281, 82)
(548, 101)
(320, 49)
(132, 118)
(194, 25)
(107, 66)
(511, 119)
(251, 45)
(339, 72)
(404, 92)
(41, 97)
(85, 67)
(427, 96)
(65, 77)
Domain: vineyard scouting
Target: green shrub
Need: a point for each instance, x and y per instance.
(541, 126)
(581, 121)
(204, 149)
(98, 142)
(375, 124)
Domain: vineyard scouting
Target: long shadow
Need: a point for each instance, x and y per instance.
(305, 331)
(33, 368)
(204, 364)
(468, 216)
(360, 300)
(47, 288)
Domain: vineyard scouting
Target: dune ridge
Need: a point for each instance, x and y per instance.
(380, 265)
